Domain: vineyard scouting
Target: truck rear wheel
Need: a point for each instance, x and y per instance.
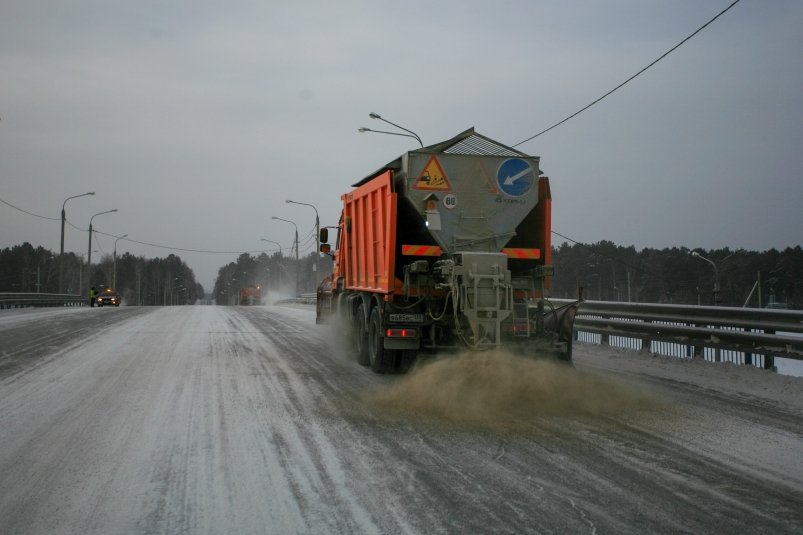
(381, 359)
(360, 336)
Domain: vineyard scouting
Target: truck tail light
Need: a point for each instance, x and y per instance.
(401, 333)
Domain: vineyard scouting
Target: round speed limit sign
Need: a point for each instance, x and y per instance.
(450, 201)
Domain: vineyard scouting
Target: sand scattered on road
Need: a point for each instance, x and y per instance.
(497, 388)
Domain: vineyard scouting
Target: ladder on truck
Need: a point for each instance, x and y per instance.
(521, 319)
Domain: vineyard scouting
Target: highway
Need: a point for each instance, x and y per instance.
(206, 419)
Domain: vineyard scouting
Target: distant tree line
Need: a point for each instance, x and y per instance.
(278, 275)
(140, 281)
(605, 271)
(610, 272)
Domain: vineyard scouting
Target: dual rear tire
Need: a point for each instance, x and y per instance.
(380, 359)
(369, 344)
(360, 337)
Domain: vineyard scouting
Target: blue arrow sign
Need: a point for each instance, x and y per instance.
(515, 177)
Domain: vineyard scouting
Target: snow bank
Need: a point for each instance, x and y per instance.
(721, 376)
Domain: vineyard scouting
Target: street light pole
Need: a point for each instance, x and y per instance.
(281, 259)
(81, 275)
(273, 242)
(716, 276)
(89, 249)
(296, 242)
(364, 129)
(317, 234)
(373, 115)
(61, 250)
(114, 269)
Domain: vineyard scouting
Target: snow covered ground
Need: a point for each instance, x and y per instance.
(724, 377)
(254, 420)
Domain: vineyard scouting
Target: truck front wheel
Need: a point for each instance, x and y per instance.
(381, 359)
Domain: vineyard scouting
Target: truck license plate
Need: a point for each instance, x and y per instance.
(407, 318)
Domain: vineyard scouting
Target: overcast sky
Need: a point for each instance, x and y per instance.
(197, 119)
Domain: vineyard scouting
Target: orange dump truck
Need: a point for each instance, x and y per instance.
(251, 295)
(447, 246)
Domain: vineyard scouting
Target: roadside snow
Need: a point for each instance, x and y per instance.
(721, 376)
(11, 317)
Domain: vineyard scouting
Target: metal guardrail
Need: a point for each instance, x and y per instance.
(302, 299)
(21, 300)
(749, 332)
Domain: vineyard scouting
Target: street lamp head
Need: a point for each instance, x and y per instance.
(695, 253)
(100, 213)
(362, 130)
(409, 133)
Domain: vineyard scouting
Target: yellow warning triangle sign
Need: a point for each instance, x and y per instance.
(433, 177)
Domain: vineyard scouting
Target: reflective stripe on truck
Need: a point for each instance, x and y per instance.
(525, 254)
(421, 250)
(434, 250)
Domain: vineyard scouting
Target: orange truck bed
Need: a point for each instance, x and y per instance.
(367, 255)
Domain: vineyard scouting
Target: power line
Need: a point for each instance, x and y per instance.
(581, 110)
(29, 213)
(76, 228)
(310, 239)
(128, 239)
(98, 241)
(180, 248)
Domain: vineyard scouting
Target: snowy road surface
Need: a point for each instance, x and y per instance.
(255, 420)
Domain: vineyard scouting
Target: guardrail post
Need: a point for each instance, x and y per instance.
(748, 357)
(698, 350)
(604, 339)
(646, 342)
(769, 360)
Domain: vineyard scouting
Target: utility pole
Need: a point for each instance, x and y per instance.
(89, 249)
(317, 234)
(628, 287)
(114, 271)
(760, 302)
(61, 249)
(296, 245)
(716, 276)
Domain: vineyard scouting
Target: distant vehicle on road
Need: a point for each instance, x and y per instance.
(108, 297)
(251, 295)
